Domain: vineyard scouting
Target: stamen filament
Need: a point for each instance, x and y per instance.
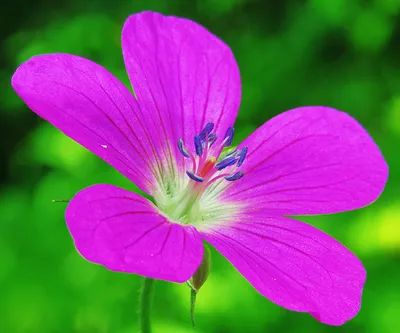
(205, 151)
(194, 164)
(212, 138)
(212, 180)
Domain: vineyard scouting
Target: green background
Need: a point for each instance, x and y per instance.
(340, 53)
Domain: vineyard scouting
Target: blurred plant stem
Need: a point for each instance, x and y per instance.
(193, 294)
(145, 304)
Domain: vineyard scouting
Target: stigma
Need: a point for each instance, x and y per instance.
(208, 161)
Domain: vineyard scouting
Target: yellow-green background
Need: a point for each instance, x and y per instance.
(341, 53)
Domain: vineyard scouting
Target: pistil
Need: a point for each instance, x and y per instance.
(207, 166)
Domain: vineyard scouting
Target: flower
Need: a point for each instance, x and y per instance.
(170, 140)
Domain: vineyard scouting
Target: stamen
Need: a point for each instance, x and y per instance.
(229, 136)
(235, 176)
(206, 130)
(194, 164)
(195, 177)
(230, 160)
(212, 180)
(211, 139)
(242, 156)
(182, 148)
(198, 145)
(234, 153)
(204, 163)
(205, 150)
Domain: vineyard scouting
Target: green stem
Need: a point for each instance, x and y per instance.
(145, 303)
(193, 294)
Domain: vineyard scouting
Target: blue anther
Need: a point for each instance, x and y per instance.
(229, 136)
(206, 130)
(212, 138)
(242, 156)
(235, 176)
(182, 149)
(228, 161)
(193, 176)
(198, 145)
(234, 153)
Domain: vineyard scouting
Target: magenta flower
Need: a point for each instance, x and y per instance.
(170, 141)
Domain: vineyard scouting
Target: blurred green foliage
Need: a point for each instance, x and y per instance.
(341, 53)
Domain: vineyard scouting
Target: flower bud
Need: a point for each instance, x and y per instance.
(201, 275)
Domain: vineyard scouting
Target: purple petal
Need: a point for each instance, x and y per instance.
(125, 232)
(183, 74)
(310, 160)
(87, 103)
(294, 265)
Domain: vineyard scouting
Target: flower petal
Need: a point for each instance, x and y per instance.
(87, 103)
(183, 74)
(294, 265)
(125, 232)
(310, 160)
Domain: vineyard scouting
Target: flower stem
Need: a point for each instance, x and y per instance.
(145, 303)
(193, 294)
